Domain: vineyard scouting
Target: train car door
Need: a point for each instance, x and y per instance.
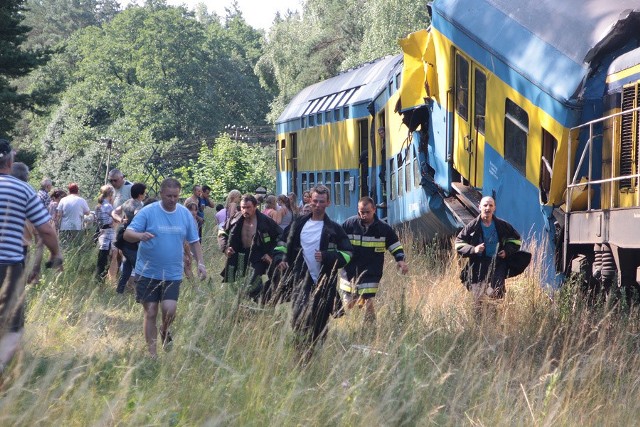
(363, 163)
(293, 141)
(469, 119)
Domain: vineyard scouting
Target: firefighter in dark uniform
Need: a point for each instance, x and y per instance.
(250, 239)
(370, 238)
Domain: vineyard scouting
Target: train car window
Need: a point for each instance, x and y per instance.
(345, 112)
(346, 184)
(398, 80)
(394, 179)
(327, 117)
(320, 178)
(283, 153)
(337, 200)
(305, 184)
(462, 87)
(480, 94)
(327, 181)
(312, 180)
(416, 169)
(401, 181)
(516, 132)
(549, 146)
(311, 121)
(336, 114)
(407, 171)
(390, 87)
(319, 118)
(302, 122)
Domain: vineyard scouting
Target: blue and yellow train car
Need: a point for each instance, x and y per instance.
(531, 103)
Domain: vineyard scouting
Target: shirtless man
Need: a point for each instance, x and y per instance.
(251, 241)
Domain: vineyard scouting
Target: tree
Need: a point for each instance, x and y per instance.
(14, 62)
(152, 78)
(232, 165)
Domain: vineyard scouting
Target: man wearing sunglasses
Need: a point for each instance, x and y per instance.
(122, 187)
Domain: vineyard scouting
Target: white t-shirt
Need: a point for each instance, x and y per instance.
(72, 208)
(310, 241)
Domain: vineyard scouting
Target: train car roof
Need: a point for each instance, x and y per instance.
(358, 85)
(551, 42)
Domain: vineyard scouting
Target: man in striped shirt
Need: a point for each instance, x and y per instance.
(18, 202)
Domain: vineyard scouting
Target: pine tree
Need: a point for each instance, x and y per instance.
(14, 62)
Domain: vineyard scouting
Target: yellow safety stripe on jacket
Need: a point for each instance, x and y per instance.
(282, 249)
(266, 237)
(222, 233)
(396, 247)
(360, 288)
(368, 244)
(514, 241)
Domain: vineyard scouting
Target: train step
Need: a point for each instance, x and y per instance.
(468, 195)
(459, 210)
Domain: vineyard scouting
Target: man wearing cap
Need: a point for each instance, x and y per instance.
(18, 203)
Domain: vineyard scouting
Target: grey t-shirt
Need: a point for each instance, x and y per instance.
(121, 195)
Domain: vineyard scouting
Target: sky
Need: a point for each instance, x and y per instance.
(257, 13)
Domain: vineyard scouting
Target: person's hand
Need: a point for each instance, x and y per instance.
(403, 267)
(229, 252)
(501, 254)
(266, 258)
(146, 236)
(202, 271)
(283, 265)
(318, 255)
(479, 249)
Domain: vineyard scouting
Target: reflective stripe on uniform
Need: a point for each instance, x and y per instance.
(396, 247)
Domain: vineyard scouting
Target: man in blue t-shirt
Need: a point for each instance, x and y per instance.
(161, 228)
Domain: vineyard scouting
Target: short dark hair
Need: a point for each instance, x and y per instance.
(137, 189)
(170, 183)
(366, 200)
(206, 188)
(219, 207)
(250, 198)
(321, 189)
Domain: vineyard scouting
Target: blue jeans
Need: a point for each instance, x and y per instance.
(130, 256)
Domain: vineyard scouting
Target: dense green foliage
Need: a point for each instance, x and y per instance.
(162, 79)
(232, 165)
(15, 61)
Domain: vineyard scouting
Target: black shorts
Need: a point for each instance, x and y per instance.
(11, 298)
(156, 290)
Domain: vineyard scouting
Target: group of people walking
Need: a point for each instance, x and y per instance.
(284, 252)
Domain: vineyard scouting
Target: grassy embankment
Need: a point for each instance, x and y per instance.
(542, 362)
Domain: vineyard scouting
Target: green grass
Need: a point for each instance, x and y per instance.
(542, 361)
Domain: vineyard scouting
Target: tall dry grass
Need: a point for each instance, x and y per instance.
(542, 360)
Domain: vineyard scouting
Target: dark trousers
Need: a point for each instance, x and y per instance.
(312, 307)
(130, 256)
(101, 267)
(11, 298)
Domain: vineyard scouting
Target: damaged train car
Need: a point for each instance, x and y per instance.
(535, 104)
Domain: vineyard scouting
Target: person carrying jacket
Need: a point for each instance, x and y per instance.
(370, 238)
(487, 241)
(249, 240)
(316, 248)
